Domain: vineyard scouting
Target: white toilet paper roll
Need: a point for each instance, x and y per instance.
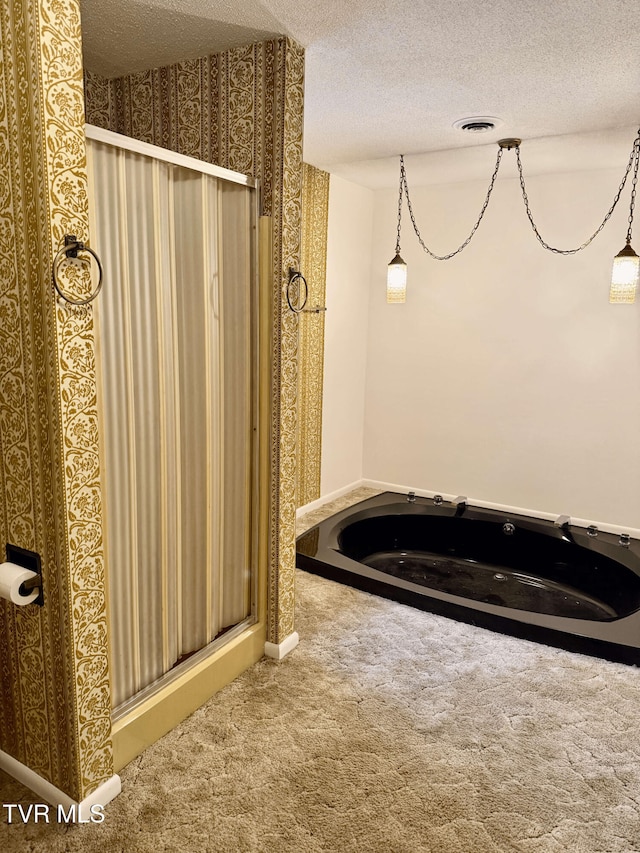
(11, 578)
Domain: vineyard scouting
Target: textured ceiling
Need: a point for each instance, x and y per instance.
(122, 36)
(391, 76)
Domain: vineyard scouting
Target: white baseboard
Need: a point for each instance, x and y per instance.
(279, 650)
(106, 792)
(513, 510)
(394, 487)
(330, 497)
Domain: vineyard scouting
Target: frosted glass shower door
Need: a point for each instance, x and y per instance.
(175, 332)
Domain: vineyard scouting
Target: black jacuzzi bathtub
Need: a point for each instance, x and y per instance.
(565, 586)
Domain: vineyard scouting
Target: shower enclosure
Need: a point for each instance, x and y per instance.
(176, 342)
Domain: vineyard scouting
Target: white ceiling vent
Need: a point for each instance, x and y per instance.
(478, 124)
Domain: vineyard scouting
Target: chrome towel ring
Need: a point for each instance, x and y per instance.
(296, 306)
(295, 276)
(70, 250)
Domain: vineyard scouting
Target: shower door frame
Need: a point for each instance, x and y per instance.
(157, 708)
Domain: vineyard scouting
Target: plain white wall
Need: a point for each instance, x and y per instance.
(349, 252)
(507, 376)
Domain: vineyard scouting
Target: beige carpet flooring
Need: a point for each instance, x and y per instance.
(388, 730)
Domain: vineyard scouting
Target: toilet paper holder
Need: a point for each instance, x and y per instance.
(28, 560)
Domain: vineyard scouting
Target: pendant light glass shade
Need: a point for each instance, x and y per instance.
(625, 276)
(397, 281)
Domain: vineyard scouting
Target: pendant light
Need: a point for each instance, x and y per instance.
(397, 269)
(626, 264)
(625, 276)
(396, 281)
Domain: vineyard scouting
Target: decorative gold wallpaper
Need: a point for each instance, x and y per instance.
(54, 685)
(242, 109)
(315, 218)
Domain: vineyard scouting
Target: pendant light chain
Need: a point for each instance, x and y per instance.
(625, 276)
(400, 205)
(635, 154)
(633, 188)
(403, 182)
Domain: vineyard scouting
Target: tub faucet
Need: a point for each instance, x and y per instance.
(564, 523)
(460, 504)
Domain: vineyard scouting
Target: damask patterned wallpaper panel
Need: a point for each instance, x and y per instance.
(242, 109)
(315, 219)
(54, 682)
(99, 101)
